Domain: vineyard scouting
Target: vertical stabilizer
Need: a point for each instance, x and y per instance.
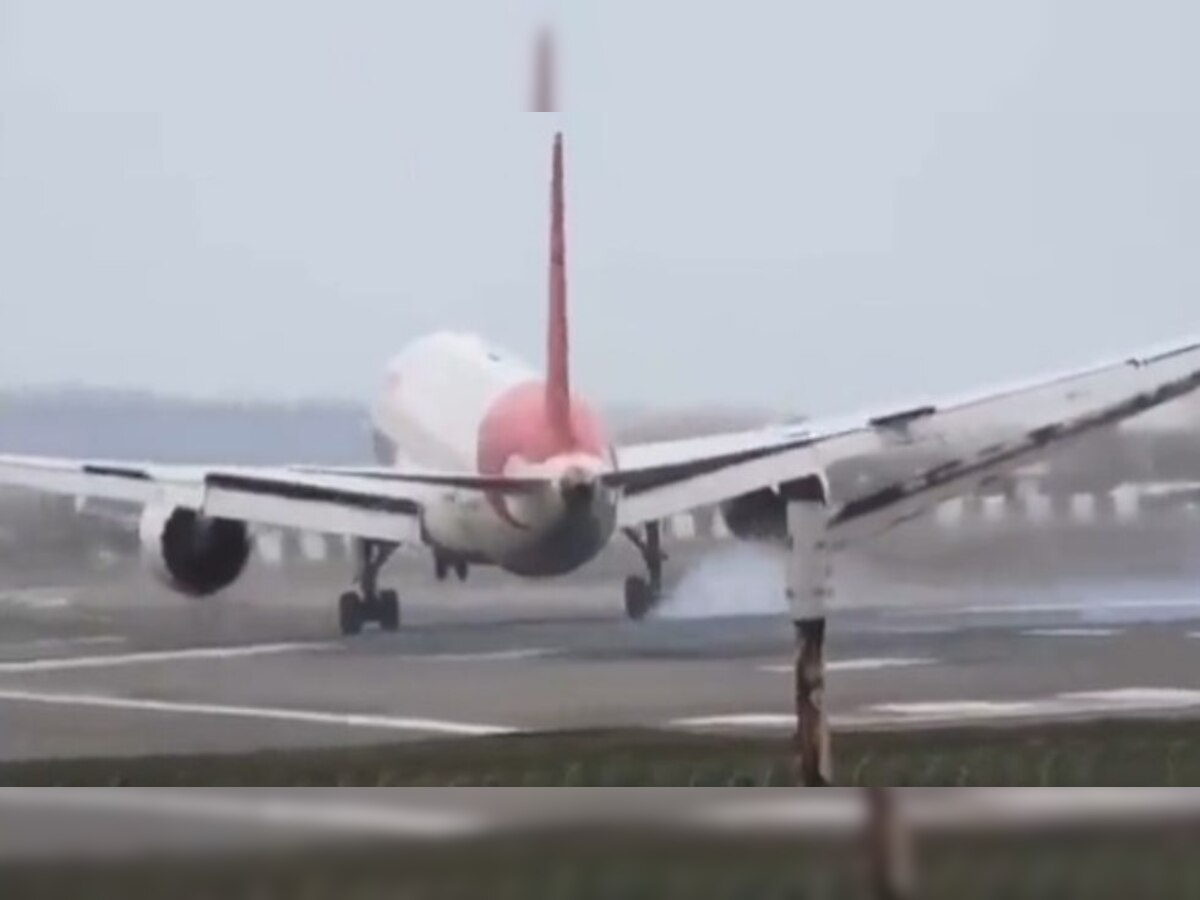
(558, 351)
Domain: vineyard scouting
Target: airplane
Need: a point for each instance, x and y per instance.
(486, 461)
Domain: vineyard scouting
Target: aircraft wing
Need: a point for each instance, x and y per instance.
(975, 439)
(361, 505)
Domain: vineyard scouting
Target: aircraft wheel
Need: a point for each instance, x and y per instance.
(640, 598)
(461, 569)
(389, 610)
(441, 568)
(350, 613)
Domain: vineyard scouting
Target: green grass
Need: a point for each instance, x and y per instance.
(1116, 753)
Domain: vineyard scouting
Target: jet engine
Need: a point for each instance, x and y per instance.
(762, 516)
(759, 517)
(191, 553)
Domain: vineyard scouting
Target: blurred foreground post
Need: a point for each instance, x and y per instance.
(809, 587)
(889, 846)
(545, 73)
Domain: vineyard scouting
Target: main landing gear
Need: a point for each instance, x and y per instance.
(443, 566)
(644, 593)
(367, 603)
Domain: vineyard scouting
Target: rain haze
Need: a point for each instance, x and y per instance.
(220, 221)
(840, 203)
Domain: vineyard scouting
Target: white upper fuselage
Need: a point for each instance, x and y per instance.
(455, 403)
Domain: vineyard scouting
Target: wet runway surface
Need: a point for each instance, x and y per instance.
(130, 669)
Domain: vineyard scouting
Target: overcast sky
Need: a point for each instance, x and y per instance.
(792, 204)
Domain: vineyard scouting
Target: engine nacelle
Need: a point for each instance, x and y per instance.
(193, 554)
(760, 517)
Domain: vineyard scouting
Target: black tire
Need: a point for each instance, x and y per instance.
(640, 598)
(462, 570)
(389, 610)
(441, 568)
(350, 613)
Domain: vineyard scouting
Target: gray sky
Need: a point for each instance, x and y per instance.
(788, 204)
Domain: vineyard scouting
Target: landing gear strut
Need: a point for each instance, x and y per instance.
(443, 566)
(367, 603)
(643, 593)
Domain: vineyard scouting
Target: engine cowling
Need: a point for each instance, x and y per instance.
(762, 516)
(193, 554)
(759, 517)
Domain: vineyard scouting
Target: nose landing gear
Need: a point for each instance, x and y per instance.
(644, 593)
(368, 603)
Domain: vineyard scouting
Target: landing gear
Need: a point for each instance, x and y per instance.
(644, 593)
(443, 566)
(367, 604)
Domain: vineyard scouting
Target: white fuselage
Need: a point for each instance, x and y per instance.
(454, 403)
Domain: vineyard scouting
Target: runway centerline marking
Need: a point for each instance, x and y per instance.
(859, 665)
(358, 721)
(71, 663)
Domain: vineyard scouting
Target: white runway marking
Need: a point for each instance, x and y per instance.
(768, 721)
(97, 640)
(70, 663)
(36, 599)
(1072, 632)
(496, 656)
(1058, 706)
(302, 716)
(859, 665)
(1067, 705)
(914, 630)
(1090, 606)
(276, 813)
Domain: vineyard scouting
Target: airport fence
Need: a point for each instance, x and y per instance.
(947, 843)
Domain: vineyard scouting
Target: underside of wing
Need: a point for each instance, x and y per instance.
(955, 445)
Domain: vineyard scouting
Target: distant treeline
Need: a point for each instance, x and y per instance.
(114, 424)
(131, 425)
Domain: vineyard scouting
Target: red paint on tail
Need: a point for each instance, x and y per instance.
(558, 350)
(536, 421)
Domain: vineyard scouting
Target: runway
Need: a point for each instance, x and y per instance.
(128, 669)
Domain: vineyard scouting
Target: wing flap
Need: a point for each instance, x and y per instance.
(326, 508)
(356, 506)
(74, 479)
(974, 437)
(893, 504)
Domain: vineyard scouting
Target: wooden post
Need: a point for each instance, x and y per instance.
(814, 758)
(809, 588)
(889, 847)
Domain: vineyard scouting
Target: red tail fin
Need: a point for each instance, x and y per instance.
(558, 354)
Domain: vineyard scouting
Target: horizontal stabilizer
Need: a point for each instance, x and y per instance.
(491, 484)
